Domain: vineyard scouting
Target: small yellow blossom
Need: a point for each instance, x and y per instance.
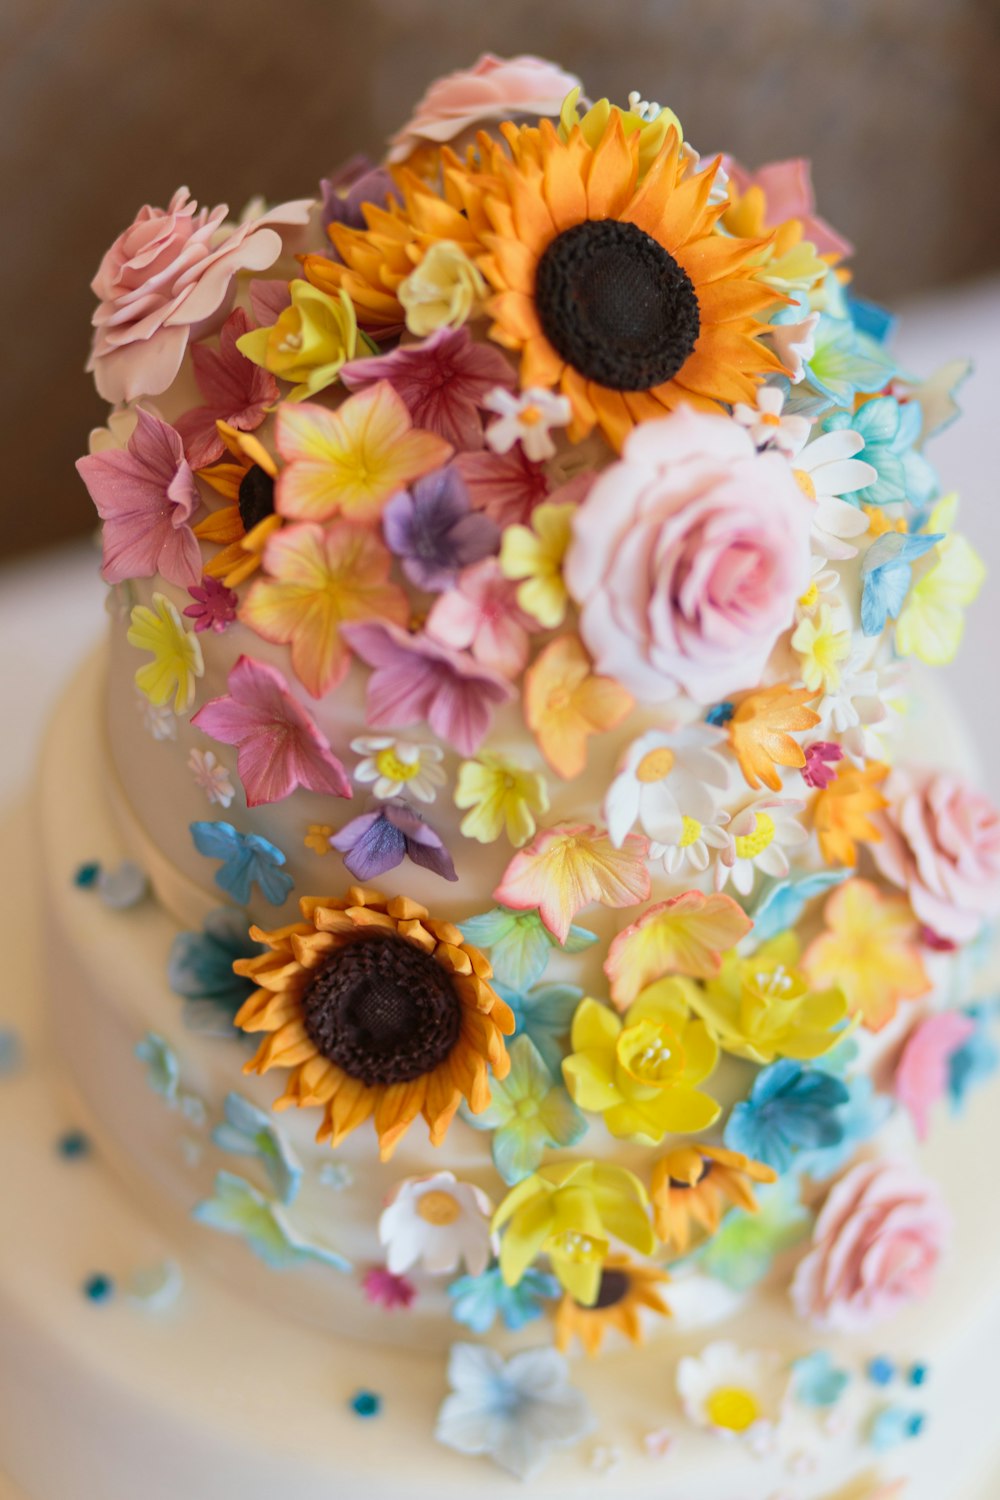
(932, 621)
(535, 555)
(500, 796)
(310, 342)
(177, 660)
(318, 836)
(442, 291)
(822, 642)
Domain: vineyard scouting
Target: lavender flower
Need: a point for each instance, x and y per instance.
(433, 530)
(379, 841)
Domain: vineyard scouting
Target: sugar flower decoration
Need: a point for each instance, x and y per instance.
(311, 341)
(499, 797)
(212, 777)
(743, 1250)
(247, 1131)
(443, 381)
(886, 574)
(391, 766)
(641, 1072)
(533, 555)
(233, 389)
(842, 812)
(761, 729)
(568, 867)
(529, 1114)
(697, 1185)
(685, 934)
(822, 643)
(507, 486)
(820, 758)
(477, 1301)
(436, 1223)
(734, 1392)
(516, 1411)
(442, 291)
(759, 835)
(569, 1212)
(667, 775)
(236, 1207)
(242, 527)
(200, 969)
(768, 425)
(177, 662)
(923, 1072)
(790, 1109)
(520, 943)
(528, 418)
(932, 620)
(349, 460)
(247, 860)
(318, 579)
(629, 1293)
(890, 436)
(146, 495)
(877, 1245)
(696, 847)
(825, 470)
(764, 1006)
(418, 679)
(869, 949)
(376, 842)
(480, 614)
(279, 744)
(431, 528)
(214, 606)
(383, 1289)
(544, 1014)
(565, 703)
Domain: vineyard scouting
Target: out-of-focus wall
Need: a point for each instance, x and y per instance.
(106, 104)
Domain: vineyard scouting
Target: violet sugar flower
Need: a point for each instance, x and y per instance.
(379, 841)
(433, 530)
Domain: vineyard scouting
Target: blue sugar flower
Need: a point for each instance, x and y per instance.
(791, 1108)
(860, 1118)
(246, 858)
(784, 901)
(891, 432)
(817, 1382)
(528, 1113)
(163, 1070)
(477, 1301)
(886, 575)
(237, 1207)
(545, 1014)
(516, 1411)
(975, 1061)
(743, 1250)
(123, 887)
(248, 1131)
(520, 943)
(877, 322)
(201, 969)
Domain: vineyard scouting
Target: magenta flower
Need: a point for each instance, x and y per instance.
(145, 494)
(379, 841)
(235, 391)
(443, 382)
(433, 530)
(417, 678)
(922, 1073)
(821, 757)
(386, 1290)
(280, 746)
(504, 486)
(481, 614)
(214, 606)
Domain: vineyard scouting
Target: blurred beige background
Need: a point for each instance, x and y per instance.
(106, 104)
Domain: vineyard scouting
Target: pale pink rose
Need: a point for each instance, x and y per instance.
(496, 88)
(876, 1246)
(788, 194)
(687, 557)
(941, 845)
(167, 279)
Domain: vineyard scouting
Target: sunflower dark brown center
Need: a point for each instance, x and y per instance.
(382, 1010)
(612, 1290)
(615, 305)
(256, 497)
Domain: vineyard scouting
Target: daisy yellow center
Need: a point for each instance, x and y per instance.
(389, 765)
(805, 483)
(656, 765)
(690, 833)
(809, 599)
(733, 1408)
(651, 1054)
(439, 1209)
(750, 845)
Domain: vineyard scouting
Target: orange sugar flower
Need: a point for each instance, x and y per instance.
(695, 1185)
(626, 1289)
(842, 811)
(870, 950)
(565, 703)
(760, 732)
(241, 528)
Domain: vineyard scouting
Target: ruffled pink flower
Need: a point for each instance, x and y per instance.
(443, 382)
(145, 494)
(235, 390)
(788, 194)
(279, 744)
(387, 1290)
(417, 678)
(495, 88)
(876, 1246)
(481, 614)
(168, 279)
(505, 486)
(687, 557)
(941, 844)
(921, 1077)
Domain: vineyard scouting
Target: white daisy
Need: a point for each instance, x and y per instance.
(696, 847)
(528, 417)
(759, 834)
(825, 470)
(160, 722)
(212, 777)
(737, 1393)
(863, 707)
(396, 766)
(667, 774)
(438, 1222)
(767, 426)
(824, 588)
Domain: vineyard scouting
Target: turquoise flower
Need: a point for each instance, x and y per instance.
(246, 858)
(886, 574)
(248, 1131)
(844, 362)
(892, 434)
(529, 1114)
(817, 1382)
(860, 1118)
(519, 943)
(878, 322)
(976, 1060)
(163, 1069)
(743, 1250)
(477, 1301)
(200, 969)
(237, 1207)
(791, 1108)
(545, 1014)
(783, 902)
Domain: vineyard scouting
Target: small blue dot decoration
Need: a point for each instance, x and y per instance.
(73, 1145)
(918, 1374)
(881, 1370)
(98, 1288)
(366, 1403)
(720, 714)
(86, 876)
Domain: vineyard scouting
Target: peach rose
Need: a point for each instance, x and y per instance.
(687, 558)
(167, 279)
(941, 845)
(876, 1246)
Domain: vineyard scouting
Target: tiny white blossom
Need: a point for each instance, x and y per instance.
(212, 777)
(391, 766)
(766, 424)
(160, 722)
(527, 417)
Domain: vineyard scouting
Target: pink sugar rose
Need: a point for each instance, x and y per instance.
(876, 1246)
(168, 279)
(941, 845)
(495, 88)
(687, 557)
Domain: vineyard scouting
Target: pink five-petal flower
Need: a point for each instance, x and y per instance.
(686, 934)
(481, 614)
(922, 1072)
(279, 745)
(443, 381)
(570, 866)
(235, 390)
(418, 678)
(145, 494)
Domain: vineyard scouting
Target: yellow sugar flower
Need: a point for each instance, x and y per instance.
(822, 642)
(501, 797)
(871, 950)
(535, 554)
(442, 291)
(651, 123)
(932, 621)
(641, 1071)
(177, 660)
(569, 1213)
(310, 342)
(763, 1007)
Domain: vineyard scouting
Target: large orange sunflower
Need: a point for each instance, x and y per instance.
(377, 1009)
(620, 290)
(625, 1289)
